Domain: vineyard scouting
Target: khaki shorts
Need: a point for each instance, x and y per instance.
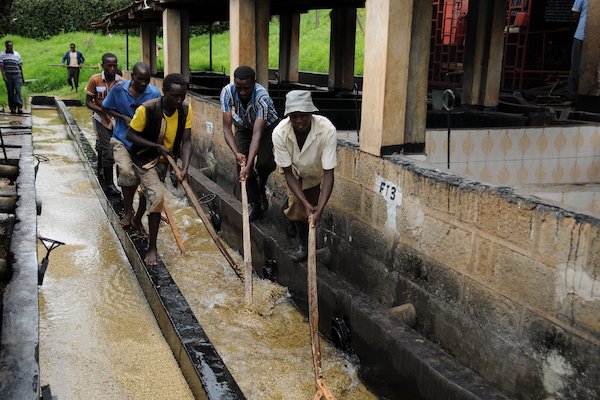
(296, 210)
(126, 176)
(151, 181)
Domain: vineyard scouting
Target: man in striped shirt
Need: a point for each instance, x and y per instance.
(11, 66)
(247, 106)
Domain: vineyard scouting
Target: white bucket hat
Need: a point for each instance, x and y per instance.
(299, 101)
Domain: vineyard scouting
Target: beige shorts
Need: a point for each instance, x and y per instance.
(296, 210)
(126, 176)
(151, 181)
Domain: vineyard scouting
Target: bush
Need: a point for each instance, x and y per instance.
(45, 18)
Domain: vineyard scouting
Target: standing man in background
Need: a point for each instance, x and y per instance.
(580, 12)
(247, 105)
(121, 102)
(11, 66)
(97, 89)
(74, 60)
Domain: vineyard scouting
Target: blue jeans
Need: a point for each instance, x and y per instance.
(13, 87)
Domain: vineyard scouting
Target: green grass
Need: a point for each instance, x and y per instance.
(44, 79)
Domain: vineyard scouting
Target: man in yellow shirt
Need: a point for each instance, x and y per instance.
(160, 127)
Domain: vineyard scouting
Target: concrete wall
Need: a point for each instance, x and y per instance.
(505, 284)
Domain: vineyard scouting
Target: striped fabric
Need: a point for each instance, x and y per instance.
(259, 107)
(11, 62)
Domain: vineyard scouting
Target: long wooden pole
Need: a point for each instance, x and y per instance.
(174, 228)
(192, 198)
(247, 246)
(313, 314)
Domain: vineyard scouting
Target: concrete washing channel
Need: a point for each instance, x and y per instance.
(395, 361)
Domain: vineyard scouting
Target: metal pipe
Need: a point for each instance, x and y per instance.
(448, 103)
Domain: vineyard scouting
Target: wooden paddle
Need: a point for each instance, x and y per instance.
(313, 314)
(192, 198)
(247, 245)
(174, 228)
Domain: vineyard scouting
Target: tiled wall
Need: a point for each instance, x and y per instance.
(554, 155)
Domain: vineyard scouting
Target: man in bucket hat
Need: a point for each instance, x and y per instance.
(304, 145)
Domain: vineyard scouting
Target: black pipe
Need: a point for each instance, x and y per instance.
(127, 47)
(210, 50)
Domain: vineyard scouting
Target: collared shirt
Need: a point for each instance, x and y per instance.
(138, 124)
(581, 7)
(317, 154)
(98, 88)
(11, 62)
(121, 100)
(260, 106)
(69, 55)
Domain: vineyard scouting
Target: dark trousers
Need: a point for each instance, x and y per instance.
(13, 88)
(264, 163)
(103, 147)
(575, 66)
(73, 76)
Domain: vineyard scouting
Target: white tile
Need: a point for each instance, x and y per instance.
(569, 135)
(514, 137)
(552, 134)
(533, 152)
(588, 135)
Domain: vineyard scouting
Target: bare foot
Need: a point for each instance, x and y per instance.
(127, 219)
(139, 227)
(151, 259)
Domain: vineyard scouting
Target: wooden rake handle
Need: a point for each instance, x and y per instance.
(313, 313)
(247, 245)
(174, 228)
(192, 198)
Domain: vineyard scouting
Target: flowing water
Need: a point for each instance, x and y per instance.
(98, 336)
(266, 347)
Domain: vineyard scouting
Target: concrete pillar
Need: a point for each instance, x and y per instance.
(483, 52)
(172, 25)
(148, 45)
(242, 34)
(341, 48)
(590, 55)
(262, 42)
(185, 47)
(385, 82)
(416, 101)
(289, 47)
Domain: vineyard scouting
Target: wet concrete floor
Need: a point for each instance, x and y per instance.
(98, 336)
(266, 347)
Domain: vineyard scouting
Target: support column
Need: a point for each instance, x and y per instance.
(148, 45)
(418, 73)
(483, 52)
(289, 47)
(341, 49)
(387, 43)
(172, 40)
(185, 47)
(590, 54)
(242, 34)
(262, 42)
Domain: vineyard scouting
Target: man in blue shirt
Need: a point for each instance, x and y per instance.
(247, 106)
(74, 60)
(121, 103)
(580, 11)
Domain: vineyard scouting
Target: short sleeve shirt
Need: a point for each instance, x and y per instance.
(11, 63)
(581, 7)
(138, 124)
(120, 100)
(98, 88)
(260, 106)
(317, 154)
